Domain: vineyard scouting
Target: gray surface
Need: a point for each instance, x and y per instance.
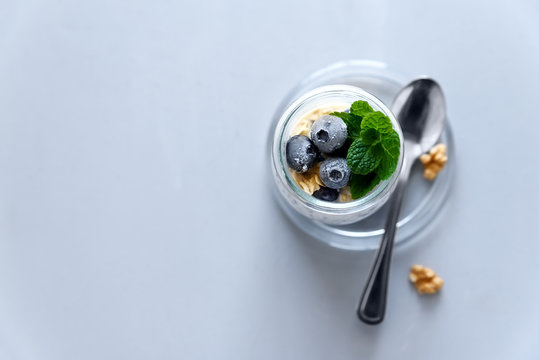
(135, 221)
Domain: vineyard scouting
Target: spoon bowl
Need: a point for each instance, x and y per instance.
(420, 110)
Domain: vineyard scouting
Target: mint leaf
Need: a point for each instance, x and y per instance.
(361, 108)
(353, 123)
(362, 159)
(388, 151)
(374, 153)
(377, 121)
(370, 136)
(361, 185)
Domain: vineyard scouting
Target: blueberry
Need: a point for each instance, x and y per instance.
(326, 194)
(301, 153)
(334, 173)
(329, 133)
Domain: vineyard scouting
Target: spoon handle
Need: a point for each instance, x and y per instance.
(372, 304)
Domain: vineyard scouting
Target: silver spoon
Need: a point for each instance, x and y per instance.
(420, 109)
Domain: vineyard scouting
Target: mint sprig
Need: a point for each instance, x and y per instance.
(374, 153)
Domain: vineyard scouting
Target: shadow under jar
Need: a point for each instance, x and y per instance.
(290, 195)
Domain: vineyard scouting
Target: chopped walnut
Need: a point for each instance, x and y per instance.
(425, 280)
(434, 161)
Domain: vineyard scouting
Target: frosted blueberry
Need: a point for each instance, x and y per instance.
(329, 133)
(334, 173)
(301, 153)
(326, 194)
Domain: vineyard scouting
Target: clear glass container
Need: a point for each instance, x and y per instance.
(292, 197)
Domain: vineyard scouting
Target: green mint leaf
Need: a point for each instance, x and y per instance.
(374, 153)
(361, 108)
(361, 185)
(362, 159)
(353, 123)
(377, 121)
(387, 151)
(370, 136)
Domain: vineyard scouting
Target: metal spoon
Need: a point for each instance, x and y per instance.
(420, 109)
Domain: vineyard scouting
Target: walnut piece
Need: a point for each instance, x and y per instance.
(434, 161)
(425, 280)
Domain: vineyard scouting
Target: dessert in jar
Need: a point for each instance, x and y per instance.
(336, 153)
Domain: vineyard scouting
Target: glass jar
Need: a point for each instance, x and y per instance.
(290, 195)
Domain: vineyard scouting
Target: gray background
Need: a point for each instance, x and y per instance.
(135, 218)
